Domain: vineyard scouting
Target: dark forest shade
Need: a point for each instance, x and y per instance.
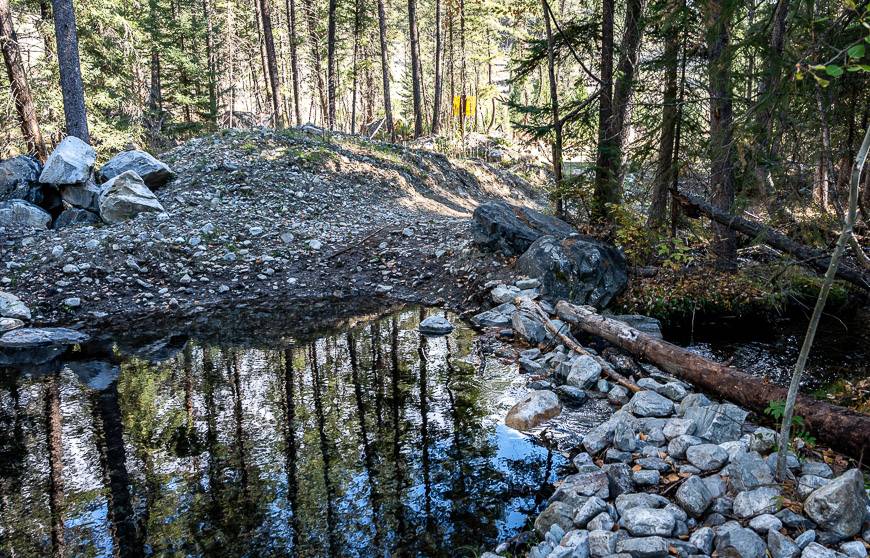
(70, 70)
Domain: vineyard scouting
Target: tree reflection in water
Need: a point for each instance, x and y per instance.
(372, 442)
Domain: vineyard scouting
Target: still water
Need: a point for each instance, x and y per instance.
(373, 441)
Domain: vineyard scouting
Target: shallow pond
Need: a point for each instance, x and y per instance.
(373, 441)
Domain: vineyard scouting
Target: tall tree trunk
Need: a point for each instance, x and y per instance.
(271, 63)
(385, 70)
(231, 60)
(18, 85)
(70, 72)
(608, 184)
(415, 68)
(155, 98)
(294, 59)
(211, 63)
(554, 110)
(436, 101)
(317, 77)
(356, 27)
(665, 167)
(330, 65)
(767, 95)
(719, 14)
(603, 196)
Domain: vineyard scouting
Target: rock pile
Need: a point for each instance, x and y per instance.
(65, 192)
(672, 472)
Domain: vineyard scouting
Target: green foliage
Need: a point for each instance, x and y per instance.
(776, 410)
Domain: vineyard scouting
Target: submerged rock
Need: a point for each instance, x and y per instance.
(71, 162)
(436, 325)
(153, 172)
(125, 196)
(583, 271)
(536, 408)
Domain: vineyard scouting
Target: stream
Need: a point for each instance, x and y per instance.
(368, 441)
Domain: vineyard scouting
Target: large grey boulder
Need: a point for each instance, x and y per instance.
(19, 178)
(12, 307)
(839, 506)
(602, 435)
(647, 522)
(71, 162)
(153, 172)
(19, 213)
(84, 196)
(578, 269)
(31, 346)
(126, 196)
(75, 217)
(534, 409)
(512, 229)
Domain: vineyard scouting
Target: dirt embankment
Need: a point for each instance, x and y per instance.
(265, 217)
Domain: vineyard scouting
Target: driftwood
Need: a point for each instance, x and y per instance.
(533, 307)
(843, 429)
(809, 256)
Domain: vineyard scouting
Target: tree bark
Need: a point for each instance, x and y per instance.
(330, 65)
(385, 70)
(18, 85)
(70, 72)
(415, 68)
(271, 63)
(718, 19)
(211, 63)
(665, 167)
(436, 94)
(603, 195)
(554, 111)
(317, 76)
(809, 256)
(843, 429)
(356, 27)
(294, 59)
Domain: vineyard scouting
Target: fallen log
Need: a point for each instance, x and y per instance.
(843, 429)
(815, 258)
(608, 371)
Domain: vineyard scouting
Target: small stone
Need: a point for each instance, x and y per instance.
(644, 547)
(650, 404)
(255, 231)
(805, 538)
(678, 427)
(678, 446)
(808, 483)
(817, 468)
(763, 440)
(624, 437)
(750, 503)
(584, 372)
(315, 244)
(765, 522)
(781, 546)
(702, 539)
(602, 543)
(707, 457)
(815, 550)
(591, 508)
(795, 521)
(645, 522)
(854, 549)
(12, 307)
(72, 302)
(601, 522)
(57, 251)
(741, 542)
(718, 423)
(646, 477)
(694, 496)
(557, 513)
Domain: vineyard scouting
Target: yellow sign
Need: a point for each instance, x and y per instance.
(469, 102)
(470, 105)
